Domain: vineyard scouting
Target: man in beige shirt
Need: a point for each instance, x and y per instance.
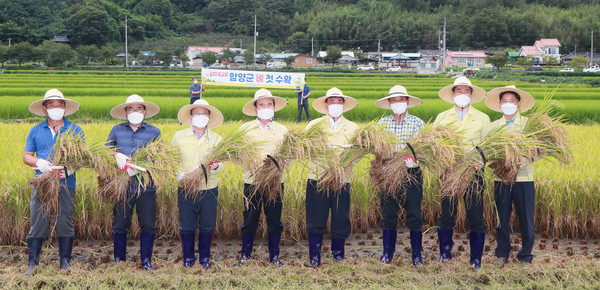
(264, 129)
(320, 201)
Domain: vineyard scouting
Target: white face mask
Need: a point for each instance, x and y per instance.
(462, 100)
(135, 118)
(335, 110)
(195, 82)
(509, 109)
(200, 121)
(265, 114)
(56, 114)
(399, 108)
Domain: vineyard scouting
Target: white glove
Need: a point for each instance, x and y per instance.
(524, 162)
(131, 172)
(287, 162)
(410, 162)
(179, 175)
(478, 165)
(70, 172)
(60, 174)
(122, 161)
(43, 165)
(213, 165)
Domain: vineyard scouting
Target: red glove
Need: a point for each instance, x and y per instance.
(410, 162)
(213, 165)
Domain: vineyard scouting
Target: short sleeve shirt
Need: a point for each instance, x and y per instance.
(196, 88)
(303, 93)
(129, 142)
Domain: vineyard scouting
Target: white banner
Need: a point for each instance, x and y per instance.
(242, 78)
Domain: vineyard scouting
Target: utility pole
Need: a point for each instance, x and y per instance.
(9, 42)
(240, 43)
(592, 50)
(444, 47)
(255, 33)
(379, 49)
(438, 67)
(312, 46)
(126, 51)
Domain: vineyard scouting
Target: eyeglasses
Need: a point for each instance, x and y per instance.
(200, 114)
(132, 109)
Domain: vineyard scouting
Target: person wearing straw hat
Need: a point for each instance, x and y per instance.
(196, 90)
(128, 138)
(270, 133)
(320, 201)
(198, 211)
(39, 149)
(406, 127)
(512, 102)
(469, 122)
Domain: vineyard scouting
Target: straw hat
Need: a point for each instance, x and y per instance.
(397, 91)
(249, 108)
(53, 94)
(446, 92)
(493, 98)
(349, 102)
(118, 112)
(215, 119)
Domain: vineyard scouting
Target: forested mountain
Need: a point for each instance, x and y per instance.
(290, 24)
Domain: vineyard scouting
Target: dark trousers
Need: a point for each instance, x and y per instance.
(473, 205)
(40, 219)
(318, 204)
(303, 105)
(145, 207)
(192, 100)
(410, 197)
(252, 206)
(200, 212)
(523, 195)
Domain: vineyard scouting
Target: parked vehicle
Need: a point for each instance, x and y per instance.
(366, 67)
(275, 64)
(218, 65)
(592, 69)
(394, 69)
(496, 69)
(567, 69)
(534, 68)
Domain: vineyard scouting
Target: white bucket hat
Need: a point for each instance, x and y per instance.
(53, 94)
(445, 93)
(118, 112)
(319, 104)
(215, 119)
(249, 108)
(492, 100)
(397, 91)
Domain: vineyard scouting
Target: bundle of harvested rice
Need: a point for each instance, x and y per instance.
(298, 144)
(47, 186)
(234, 147)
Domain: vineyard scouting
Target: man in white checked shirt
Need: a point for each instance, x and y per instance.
(406, 127)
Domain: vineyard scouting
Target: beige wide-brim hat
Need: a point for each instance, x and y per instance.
(320, 106)
(53, 94)
(445, 93)
(398, 91)
(492, 100)
(215, 119)
(118, 112)
(249, 108)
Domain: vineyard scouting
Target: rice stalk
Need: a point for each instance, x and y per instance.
(47, 188)
(161, 160)
(235, 147)
(298, 144)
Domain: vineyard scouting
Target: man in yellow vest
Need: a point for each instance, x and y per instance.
(512, 102)
(198, 211)
(264, 129)
(320, 201)
(469, 122)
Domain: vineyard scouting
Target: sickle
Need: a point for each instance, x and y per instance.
(482, 155)
(274, 161)
(205, 174)
(412, 150)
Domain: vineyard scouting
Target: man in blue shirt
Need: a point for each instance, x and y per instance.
(303, 94)
(196, 90)
(128, 138)
(39, 149)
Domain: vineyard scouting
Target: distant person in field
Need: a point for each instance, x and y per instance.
(406, 127)
(512, 102)
(39, 149)
(319, 202)
(303, 92)
(196, 90)
(470, 124)
(263, 129)
(199, 209)
(128, 138)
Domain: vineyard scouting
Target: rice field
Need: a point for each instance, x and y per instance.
(99, 92)
(567, 201)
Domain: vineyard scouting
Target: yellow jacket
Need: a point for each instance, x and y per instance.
(193, 151)
(342, 135)
(470, 128)
(525, 173)
(271, 139)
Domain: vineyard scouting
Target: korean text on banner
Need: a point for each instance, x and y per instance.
(241, 78)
